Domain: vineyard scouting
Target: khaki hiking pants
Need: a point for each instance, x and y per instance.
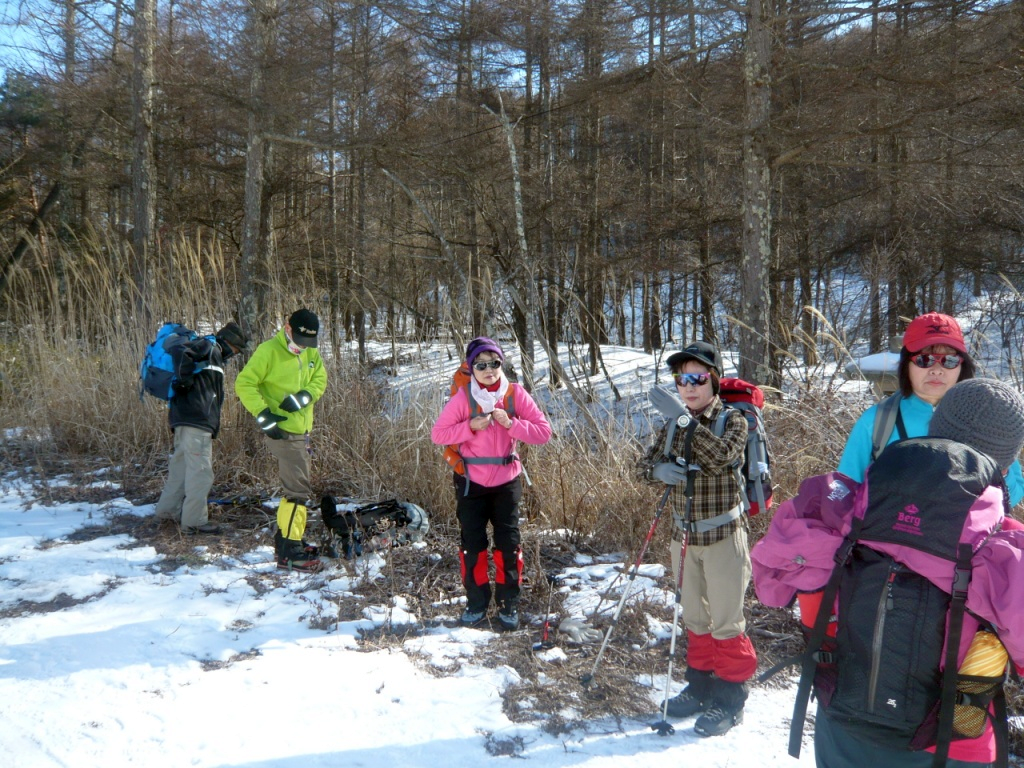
(293, 466)
(189, 478)
(715, 579)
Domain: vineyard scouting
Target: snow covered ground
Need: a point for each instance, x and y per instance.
(109, 659)
(110, 656)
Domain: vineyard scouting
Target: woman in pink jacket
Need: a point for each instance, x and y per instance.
(484, 419)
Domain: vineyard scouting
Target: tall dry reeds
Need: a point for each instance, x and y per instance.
(73, 335)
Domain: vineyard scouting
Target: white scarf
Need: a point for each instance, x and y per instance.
(488, 400)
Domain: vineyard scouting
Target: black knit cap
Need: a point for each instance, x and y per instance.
(305, 328)
(233, 335)
(703, 352)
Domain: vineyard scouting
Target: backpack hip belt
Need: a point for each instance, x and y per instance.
(703, 526)
(501, 461)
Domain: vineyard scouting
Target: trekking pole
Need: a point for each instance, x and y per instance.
(589, 678)
(544, 642)
(663, 727)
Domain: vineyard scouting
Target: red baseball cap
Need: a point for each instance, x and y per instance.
(933, 328)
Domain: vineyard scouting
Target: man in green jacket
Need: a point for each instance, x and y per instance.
(279, 385)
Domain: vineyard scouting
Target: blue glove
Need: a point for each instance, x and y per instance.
(268, 423)
(296, 402)
(669, 473)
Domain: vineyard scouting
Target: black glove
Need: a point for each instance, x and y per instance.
(268, 423)
(296, 402)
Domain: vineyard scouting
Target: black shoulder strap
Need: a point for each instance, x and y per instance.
(1000, 727)
(961, 581)
(691, 469)
(809, 661)
(901, 428)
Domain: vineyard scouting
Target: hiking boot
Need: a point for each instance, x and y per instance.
(204, 528)
(686, 704)
(717, 719)
(295, 555)
(472, 618)
(508, 619)
(305, 565)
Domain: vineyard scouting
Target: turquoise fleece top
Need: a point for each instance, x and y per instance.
(917, 414)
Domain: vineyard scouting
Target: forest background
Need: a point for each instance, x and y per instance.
(787, 179)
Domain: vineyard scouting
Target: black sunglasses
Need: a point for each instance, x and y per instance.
(949, 362)
(493, 365)
(693, 379)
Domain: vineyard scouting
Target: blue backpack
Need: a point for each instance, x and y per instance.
(158, 370)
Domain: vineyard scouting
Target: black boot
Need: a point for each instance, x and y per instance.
(294, 556)
(695, 697)
(478, 595)
(726, 710)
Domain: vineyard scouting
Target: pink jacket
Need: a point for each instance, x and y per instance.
(529, 425)
(796, 555)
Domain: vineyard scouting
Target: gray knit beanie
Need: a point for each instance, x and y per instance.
(986, 414)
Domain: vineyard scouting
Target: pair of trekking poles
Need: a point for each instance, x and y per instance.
(663, 727)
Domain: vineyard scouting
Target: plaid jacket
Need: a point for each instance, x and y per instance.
(715, 489)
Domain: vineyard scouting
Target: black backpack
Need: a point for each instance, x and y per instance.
(885, 677)
(376, 526)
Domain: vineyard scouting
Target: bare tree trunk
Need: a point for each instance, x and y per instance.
(143, 165)
(553, 315)
(333, 251)
(704, 282)
(527, 272)
(876, 341)
(755, 303)
(255, 258)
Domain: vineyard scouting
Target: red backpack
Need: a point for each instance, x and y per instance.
(753, 470)
(460, 380)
